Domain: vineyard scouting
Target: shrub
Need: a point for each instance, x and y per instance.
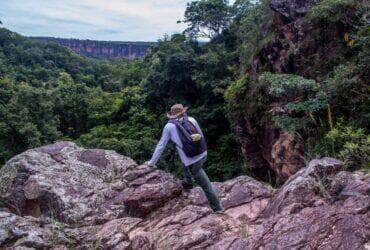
(351, 145)
(236, 94)
(348, 12)
(348, 143)
(298, 99)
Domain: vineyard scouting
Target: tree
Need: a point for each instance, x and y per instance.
(240, 7)
(249, 25)
(169, 78)
(207, 18)
(134, 129)
(27, 118)
(300, 100)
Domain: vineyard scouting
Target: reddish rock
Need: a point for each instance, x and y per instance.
(102, 49)
(113, 203)
(287, 154)
(36, 184)
(274, 155)
(148, 191)
(297, 46)
(315, 210)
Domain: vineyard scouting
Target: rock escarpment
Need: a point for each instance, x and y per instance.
(296, 45)
(102, 49)
(62, 196)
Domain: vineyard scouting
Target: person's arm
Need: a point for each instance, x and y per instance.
(160, 146)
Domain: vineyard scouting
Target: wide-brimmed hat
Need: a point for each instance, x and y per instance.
(176, 111)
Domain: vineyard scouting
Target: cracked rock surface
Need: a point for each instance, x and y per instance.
(61, 196)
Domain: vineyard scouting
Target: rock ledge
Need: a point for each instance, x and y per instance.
(62, 196)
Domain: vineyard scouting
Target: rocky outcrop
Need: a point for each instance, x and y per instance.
(102, 49)
(320, 207)
(297, 46)
(298, 43)
(62, 196)
(92, 196)
(291, 10)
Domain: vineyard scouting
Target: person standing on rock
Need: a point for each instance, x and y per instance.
(185, 132)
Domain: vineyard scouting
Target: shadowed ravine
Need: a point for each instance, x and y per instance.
(61, 196)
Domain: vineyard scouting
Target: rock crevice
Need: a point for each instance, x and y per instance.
(98, 198)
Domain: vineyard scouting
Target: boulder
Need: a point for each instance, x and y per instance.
(98, 197)
(320, 207)
(187, 222)
(302, 189)
(25, 231)
(114, 203)
(147, 189)
(74, 185)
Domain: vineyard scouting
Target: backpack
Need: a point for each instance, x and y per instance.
(186, 129)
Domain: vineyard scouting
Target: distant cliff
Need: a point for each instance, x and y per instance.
(102, 49)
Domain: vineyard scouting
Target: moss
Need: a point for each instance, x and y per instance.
(7, 175)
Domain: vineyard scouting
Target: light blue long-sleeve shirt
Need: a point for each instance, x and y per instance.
(170, 133)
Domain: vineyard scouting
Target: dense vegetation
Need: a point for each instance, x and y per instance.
(48, 93)
(322, 97)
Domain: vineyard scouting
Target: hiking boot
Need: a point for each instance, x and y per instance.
(221, 211)
(186, 185)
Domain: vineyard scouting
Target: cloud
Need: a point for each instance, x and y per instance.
(130, 20)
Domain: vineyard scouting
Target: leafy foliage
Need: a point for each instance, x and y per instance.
(118, 104)
(48, 93)
(27, 118)
(347, 143)
(303, 98)
(207, 18)
(347, 12)
(250, 22)
(135, 136)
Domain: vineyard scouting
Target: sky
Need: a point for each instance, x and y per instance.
(111, 20)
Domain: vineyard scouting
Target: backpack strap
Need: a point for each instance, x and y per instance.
(176, 123)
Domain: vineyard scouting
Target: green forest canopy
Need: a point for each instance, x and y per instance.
(49, 93)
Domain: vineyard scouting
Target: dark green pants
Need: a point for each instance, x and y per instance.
(197, 173)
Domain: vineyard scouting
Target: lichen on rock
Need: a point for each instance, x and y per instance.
(77, 202)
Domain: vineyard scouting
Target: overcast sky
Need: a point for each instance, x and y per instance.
(117, 20)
